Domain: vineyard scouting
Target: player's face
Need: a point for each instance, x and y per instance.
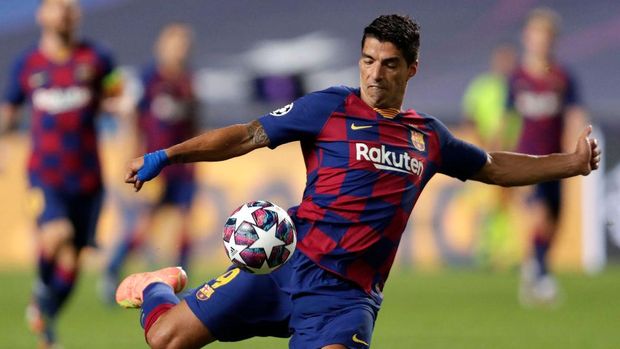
(384, 74)
(504, 60)
(61, 16)
(539, 37)
(174, 45)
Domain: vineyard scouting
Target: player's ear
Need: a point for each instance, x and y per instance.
(413, 69)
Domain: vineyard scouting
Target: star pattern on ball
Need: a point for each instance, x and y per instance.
(233, 249)
(267, 239)
(245, 214)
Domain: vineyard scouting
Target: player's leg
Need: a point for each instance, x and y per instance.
(234, 306)
(538, 286)
(329, 312)
(56, 275)
(130, 238)
(185, 237)
(179, 193)
(178, 328)
(136, 221)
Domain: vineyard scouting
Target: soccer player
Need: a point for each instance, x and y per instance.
(63, 79)
(167, 114)
(545, 95)
(484, 101)
(367, 161)
(484, 107)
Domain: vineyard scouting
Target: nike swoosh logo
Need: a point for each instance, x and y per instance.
(355, 128)
(357, 340)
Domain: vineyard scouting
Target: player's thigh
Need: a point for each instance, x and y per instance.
(55, 234)
(84, 211)
(179, 328)
(545, 203)
(179, 193)
(335, 323)
(67, 257)
(55, 227)
(238, 305)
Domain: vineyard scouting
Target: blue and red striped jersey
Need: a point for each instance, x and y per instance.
(65, 99)
(168, 115)
(541, 102)
(365, 172)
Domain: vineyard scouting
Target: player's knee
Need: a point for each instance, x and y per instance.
(67, 257)
(163, 336)
(160, 337)
(54, 235)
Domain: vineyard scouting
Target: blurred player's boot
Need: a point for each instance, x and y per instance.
(42, 326)
(129, 292)
(536, 289)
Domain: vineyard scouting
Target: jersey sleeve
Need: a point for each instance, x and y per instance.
(459, 159)
(145, 79)
(573, 97)
(111, 76)
(510, 94)
(304, 118)
(14, 93)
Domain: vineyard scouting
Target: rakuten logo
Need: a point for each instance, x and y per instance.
(59, 100)
(384, 159)
(534, 105)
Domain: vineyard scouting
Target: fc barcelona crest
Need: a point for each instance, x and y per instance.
(417, 139)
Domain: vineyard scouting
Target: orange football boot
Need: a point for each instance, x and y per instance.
(129, 292)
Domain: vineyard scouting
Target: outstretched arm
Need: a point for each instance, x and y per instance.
(513, 169)
(215, 145)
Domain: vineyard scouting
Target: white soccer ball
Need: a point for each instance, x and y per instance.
(259, 237)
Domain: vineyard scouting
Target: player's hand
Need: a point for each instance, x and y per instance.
(587, 152)
(145, 168)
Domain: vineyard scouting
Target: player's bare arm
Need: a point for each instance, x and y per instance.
(215, 145)
(513, 169)
(8, 115)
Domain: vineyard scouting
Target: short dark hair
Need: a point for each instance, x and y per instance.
(402, 31)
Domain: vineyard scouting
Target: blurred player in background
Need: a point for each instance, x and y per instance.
(367, 162)
(484, 108)
(167, 113)
(484, 102)
(546, 97)
(63, 79)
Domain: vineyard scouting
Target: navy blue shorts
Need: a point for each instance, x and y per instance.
(550, 193)
(300, 299)
(82, 210)
(178, 193)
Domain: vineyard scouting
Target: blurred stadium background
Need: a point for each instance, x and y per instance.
(252, 57)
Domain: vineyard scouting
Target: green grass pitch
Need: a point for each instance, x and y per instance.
(452, 309)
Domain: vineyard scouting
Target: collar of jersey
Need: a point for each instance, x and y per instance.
(389, 113)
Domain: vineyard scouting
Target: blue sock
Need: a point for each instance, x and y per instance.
(45, 268)
(184, 254)
(158, 298)
(119, 256)
(541, 249)
(61, 284)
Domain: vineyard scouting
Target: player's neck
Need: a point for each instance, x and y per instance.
(537, 65)
(172, 70)
(394, 105)
(55, 46)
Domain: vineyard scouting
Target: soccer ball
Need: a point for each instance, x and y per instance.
(259, 237)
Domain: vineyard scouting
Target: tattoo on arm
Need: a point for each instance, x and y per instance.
(257, 134)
